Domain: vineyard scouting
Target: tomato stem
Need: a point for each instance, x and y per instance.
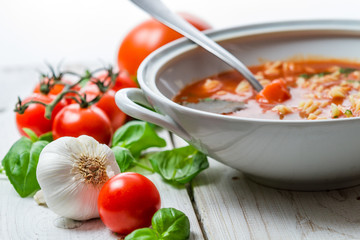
(50, 107)
(51, 69)
(20, 107)
(48, 81)
(45, 87)
(103, 85)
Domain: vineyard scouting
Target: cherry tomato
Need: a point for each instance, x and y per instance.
(127, 202)
(74, 121)
(123, 80)
(34, 115)
(56, 89)
(147, 37)
(107, 104)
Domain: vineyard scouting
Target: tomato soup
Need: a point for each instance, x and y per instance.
(318, 89)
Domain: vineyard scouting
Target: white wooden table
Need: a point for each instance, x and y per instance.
(220, 202)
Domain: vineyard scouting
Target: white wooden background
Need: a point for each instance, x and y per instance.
(91, 30)
(220, 203)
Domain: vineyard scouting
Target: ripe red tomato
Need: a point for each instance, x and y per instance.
(107, 104)
(147, 37)
(127, 202)
(34, 118)
(56, 89)
(74, 121)
(123, 80)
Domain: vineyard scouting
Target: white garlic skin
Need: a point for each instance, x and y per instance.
(66, 191)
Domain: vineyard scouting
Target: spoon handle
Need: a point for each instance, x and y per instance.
(158, 10)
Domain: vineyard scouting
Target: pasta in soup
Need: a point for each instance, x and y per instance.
(293, 90)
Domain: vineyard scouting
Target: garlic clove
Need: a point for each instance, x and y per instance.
(71, 172)
(39, 198)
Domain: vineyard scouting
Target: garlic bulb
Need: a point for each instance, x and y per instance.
(71, 172)
(39, 198)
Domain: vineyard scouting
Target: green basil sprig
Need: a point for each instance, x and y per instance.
(347, 71)
(21, 161)
(123, 157)
(167, 224)
(179, 165)
(137, 136)
(127, 162)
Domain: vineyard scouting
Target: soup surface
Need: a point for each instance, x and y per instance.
(312, 89)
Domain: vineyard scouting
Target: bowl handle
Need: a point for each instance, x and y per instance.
(128, 100)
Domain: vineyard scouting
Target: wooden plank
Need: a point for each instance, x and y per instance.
(232, 207)
(177, 197)
(22, 218)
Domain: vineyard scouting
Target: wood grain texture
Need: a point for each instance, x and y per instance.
(232, 207)
(22, 218)
(177, 197)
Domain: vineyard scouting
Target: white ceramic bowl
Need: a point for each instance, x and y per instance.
(299, 155)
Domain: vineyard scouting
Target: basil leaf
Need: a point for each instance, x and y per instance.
(322, 74)
(33, 137)
(179, 165)
(216, 105)
(167, 224)
(142, 234)
(46, 137)
(305, 75)
(309, 75)
(142, 165)
(31, 134)
(20, 165)
(123, 157)
(347, 71)
(171, 224)
(137, 136)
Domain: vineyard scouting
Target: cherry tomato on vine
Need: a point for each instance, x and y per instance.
(34, 118)
(74, 121)
(147, 37)
(127, 202)
(107, 104)
(123, 80)
(56, 89)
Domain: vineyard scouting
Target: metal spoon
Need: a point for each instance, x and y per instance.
(158, 10)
